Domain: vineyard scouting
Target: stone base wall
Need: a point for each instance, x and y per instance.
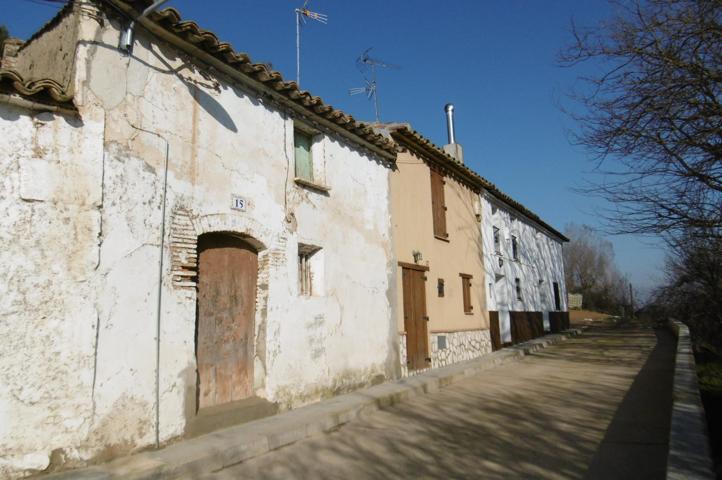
(447, 348)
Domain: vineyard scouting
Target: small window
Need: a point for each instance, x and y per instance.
(557, 297)
(440, 287)
(517, 284)
(302, 142)
(438, 205)
(309, 270)
(497, 240)
(514, 248)
(441, 342)
(466, 292)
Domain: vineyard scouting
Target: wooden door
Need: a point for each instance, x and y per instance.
(227, 272)
(494, 331)
(415, 319)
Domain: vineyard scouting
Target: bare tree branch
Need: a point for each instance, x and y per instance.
(654, 115)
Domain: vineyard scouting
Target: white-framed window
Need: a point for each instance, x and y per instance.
(514, 247)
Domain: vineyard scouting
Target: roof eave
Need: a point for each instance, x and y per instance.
(257, 77)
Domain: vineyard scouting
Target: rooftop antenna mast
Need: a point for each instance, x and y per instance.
(301, 15)
(367, 64)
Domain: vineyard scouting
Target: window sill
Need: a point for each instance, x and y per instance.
(313, 186)
(443, 239)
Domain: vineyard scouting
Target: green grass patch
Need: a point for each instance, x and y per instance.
(710, 376)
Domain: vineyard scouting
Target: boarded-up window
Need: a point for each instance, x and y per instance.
(438, 204)
(466, 291)
(302, 149)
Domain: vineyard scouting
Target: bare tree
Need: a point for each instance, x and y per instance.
(589, 269)
(653, 118)
(693, 288)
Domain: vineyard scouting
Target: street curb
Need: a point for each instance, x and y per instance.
(230, 446)
(689, 454)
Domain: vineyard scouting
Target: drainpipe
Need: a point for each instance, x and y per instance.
(127, 35)
(159, 303)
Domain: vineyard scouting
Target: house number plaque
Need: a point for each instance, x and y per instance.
(238, 203)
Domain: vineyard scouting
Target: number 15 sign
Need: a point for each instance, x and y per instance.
(238, 203)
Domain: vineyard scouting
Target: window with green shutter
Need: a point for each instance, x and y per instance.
(304, 161)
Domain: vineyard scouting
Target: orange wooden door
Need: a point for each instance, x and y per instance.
(227, 272)
(415, 319)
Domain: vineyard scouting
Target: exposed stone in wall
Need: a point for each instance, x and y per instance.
(460, 346)
(183, 249)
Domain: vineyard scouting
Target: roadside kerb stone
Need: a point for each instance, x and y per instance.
(233, 445)
(689, 454)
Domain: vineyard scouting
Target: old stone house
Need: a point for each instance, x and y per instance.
(184, 237)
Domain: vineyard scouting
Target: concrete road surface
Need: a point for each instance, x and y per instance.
(595, 406)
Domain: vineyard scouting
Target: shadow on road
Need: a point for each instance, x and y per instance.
(595, 406)
(635, 444)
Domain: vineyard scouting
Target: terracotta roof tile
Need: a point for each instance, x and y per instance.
(37, 89)
(170, 20)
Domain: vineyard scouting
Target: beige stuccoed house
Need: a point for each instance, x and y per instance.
(441, 316)
(186, 240)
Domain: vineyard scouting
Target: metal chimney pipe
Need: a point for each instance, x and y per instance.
(449, 108)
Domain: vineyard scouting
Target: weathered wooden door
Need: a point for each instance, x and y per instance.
(227, 272)
(415, 319)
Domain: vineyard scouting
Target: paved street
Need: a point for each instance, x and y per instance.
(595, 406)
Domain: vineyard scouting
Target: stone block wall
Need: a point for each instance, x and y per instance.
(447, 348)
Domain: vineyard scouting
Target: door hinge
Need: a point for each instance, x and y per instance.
(428, 359)
(426, 317)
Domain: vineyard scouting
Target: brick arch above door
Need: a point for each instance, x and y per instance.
(187, 227)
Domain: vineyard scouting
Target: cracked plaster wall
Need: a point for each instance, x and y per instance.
(51, 169)
(85, 327)
(80, 232)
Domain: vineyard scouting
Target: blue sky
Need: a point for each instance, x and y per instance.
(496, 61)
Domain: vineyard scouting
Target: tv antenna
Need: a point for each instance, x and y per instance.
(368, 65)
(301, 15)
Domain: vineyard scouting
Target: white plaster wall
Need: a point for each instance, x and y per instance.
(539, 265)
(50, 194)
(79, 304)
